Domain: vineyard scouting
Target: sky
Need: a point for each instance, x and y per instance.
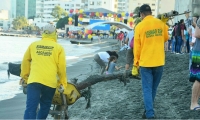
(4, 4)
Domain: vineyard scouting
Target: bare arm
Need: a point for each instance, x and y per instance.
(126, 41)
(197, 32)
(197, 28)
(118, 67)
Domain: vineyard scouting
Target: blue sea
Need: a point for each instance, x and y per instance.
(12, 49)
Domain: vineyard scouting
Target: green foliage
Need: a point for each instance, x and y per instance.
(137, 20)
(61, 22)
(19, 23)
(136, 16)
(136, 12)
(58, 12)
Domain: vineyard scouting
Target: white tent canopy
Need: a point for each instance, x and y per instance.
(117, 24)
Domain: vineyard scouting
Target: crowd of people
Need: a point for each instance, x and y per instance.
(180, 41)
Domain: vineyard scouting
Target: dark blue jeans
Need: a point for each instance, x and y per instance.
(151, 77)
(179, 44)
(173, 44)
(169, 44)
(38, 94)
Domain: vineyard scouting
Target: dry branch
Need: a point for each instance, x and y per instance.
(93, 79)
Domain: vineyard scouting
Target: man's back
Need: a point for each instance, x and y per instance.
(44, 64)
(149, 39)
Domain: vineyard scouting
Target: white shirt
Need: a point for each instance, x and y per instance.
(130, 37)
(104, 56)
(193, 31)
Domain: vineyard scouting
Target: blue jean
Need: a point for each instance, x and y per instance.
(173, 44)
(38, 94)
(179, 44)
(169, 43)
(151, 77)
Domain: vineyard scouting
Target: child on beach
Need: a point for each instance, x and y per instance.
(112, 65)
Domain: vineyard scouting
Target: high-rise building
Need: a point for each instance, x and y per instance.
(20, 8)
(45, 7)
(106, 4)
(25, 8)
(31, 8)
(123, 6)
(137, 3)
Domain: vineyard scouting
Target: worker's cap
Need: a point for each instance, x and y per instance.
(145, 8)
(48, 29)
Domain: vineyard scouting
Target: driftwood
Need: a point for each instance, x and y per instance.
(93, 79)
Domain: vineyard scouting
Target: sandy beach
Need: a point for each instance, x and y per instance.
(113, 100)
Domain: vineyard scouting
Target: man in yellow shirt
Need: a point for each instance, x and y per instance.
(149, 56)
(43, 62)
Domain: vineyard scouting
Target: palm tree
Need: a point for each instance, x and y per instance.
(136, 15)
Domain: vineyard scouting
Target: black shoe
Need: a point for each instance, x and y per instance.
(152, 117)
(144, 115)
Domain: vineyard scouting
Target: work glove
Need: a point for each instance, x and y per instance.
(164, 19)
(135, 71)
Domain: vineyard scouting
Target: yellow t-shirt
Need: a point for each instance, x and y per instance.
(150, 36)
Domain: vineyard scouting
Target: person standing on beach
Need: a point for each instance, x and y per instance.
(129, 54)
(43, 61)
(195, 68)
(149, 56)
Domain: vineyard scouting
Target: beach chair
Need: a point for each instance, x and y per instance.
(61, 100)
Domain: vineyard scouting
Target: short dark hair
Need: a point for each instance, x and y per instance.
(147, 12)
(181, 21)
